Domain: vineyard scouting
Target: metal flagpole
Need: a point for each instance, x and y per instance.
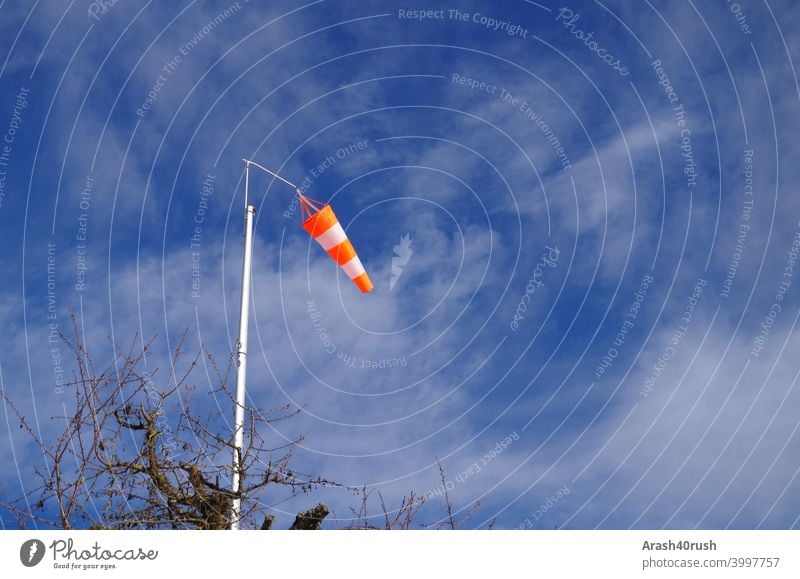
(241, 352)
(241, 346)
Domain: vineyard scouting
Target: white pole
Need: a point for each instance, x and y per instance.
(241, 352)
(241, 346)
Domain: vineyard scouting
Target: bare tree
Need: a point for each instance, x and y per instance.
(134, 455)
(450, 522)
(399, 518)
(406, 514)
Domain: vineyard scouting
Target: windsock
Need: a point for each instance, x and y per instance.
(322, 225)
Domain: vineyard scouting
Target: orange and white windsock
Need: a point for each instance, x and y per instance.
(322, 225)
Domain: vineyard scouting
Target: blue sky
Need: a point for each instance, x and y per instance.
(579, 182)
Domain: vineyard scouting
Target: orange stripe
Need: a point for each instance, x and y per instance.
(363, 282)
(320, 222)
(343, 252)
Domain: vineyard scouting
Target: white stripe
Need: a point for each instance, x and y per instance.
(332, 237)
(353, 268)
